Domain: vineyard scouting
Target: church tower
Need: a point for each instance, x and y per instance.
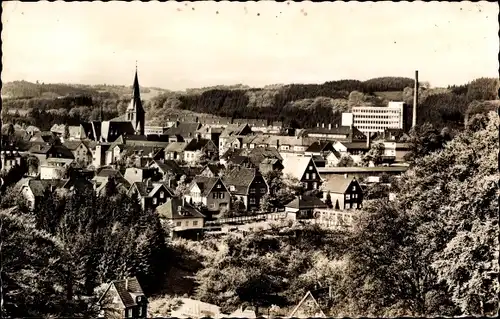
(135, 111)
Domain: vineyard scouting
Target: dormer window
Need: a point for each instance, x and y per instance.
(231, 188)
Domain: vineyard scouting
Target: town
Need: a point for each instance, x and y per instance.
(348, 198)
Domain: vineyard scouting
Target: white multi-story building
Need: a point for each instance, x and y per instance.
(369, 119)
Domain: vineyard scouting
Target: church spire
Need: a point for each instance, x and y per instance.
(137, 91)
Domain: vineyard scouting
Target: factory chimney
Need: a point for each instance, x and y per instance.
(415, 101)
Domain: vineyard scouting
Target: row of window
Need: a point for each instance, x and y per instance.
(195, 223)
(348, 196)
(218, 195)
(313, 175)
(379, 111)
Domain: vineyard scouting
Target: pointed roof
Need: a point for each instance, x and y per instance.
(296, 166)
(308, 307)
(337, 184)
(178, 208)
(128, 289)
(136, 102)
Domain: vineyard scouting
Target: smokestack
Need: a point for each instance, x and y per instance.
(368, 139)
(415, 101)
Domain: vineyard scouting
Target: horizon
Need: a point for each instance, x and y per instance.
(250, 44)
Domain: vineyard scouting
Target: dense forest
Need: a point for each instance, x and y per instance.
(297, 105)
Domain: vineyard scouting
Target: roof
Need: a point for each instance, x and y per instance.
(108, 172)
(319, 146)
(169, 166)
(178, 208)
(197, 144)
(215, 169)
(39, 186)
(360, 169)
(72, 145)
(58, 128)
(176, 147)
(308, 307)
(240, 313)
(296, 166)
(39, 148)
(205, 184)
(59, 160)
(113, 129)
(306, 202)
(184, 129)
(235, 129)
(240, 178)
(127, 289)
(337, 184)
(258, 154)
(196, 308)
(356, 145)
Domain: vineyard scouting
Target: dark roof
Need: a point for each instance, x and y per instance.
(111, 130)
(39, 148)
(215, 169)
(192, 171)
(344, 130)
(39, 186)
(177, 208)
(319, 146)
(184, 129)
(356, 146)
(170, 166)
(109, 172)
(127, 286)
(306, 202)
(63, 152)
(231, 152)
(240, 178)
(360, 169)
(72, 145)
(197, 144)
(142, 188)
(205, 183)
(258, 154)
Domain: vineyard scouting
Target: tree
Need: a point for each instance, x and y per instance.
(328, 200)
(374, 155)
(483, 89)
(424, 140)
(345, 161)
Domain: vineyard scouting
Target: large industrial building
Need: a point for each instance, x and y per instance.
(370, 119)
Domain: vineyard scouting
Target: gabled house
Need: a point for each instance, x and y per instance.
(179, 215)
(104, 175)
(124, 299)
(319, 148)
(345, 192)
(303, 169)
(33, 190)
(303, 206)
(175, 151)
(9, 158)
(81, 151)
(169, 171)
(209, 191)
(212, 170)
(247, 185)
(150, 194)
(198, 146)
(356, 149)
(183, 132)
(232, 136)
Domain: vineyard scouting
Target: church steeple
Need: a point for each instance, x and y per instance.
(135, 111)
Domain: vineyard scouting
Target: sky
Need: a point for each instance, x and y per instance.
(180, 45)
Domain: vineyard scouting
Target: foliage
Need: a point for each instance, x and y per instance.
(374, 155)
(425, 139)
(345, 161)
(483, 89)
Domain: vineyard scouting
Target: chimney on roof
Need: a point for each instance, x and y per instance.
(415, 101)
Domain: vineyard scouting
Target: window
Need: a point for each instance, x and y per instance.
(140, 311)
(162, 194)
(307, 175)
(310, 167)
(155, 200)
(347, 206)
(195, 223)
(262, 190)
(354, 195)
(315, 185)
(252, 190)
(178, 223)
(313, 175)
(214, 195)
(347, 196)
(252, 201)
(218, 186)
(129, 313)
(221, 195)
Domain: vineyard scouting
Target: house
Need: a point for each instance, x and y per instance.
(198, 146)
(303, 206)
(345, 192)
(210, 132)
(168, 170)
(356, 149)
(9, 158)
(124, 299)
(196, 309)
(212, 170)
(150, 194)
(99, 155)
(81, 151)
(175, 151)
(104, 175)
(243, 313)
(303, 169)
(180, 216)
(44, 151)
(33, 190)
(337, 133)
(209, 191)
(139, 174)
(265, 158)
(232, 136)
(183, 132)
(55, 168)
(319, 148)
(247, 185)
